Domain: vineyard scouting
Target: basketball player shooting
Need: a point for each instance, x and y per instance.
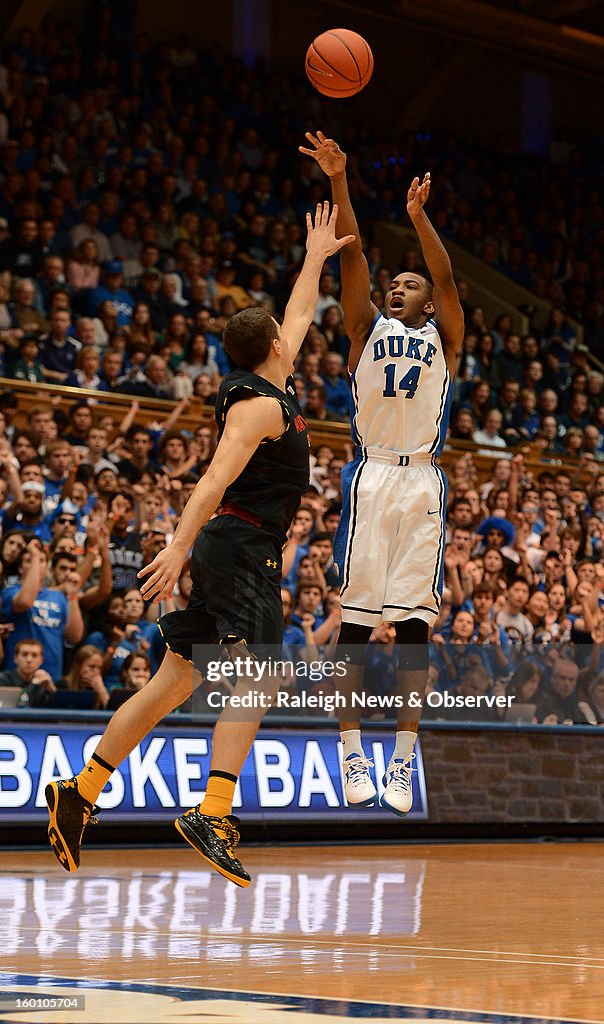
(258, 473)
(389, 544)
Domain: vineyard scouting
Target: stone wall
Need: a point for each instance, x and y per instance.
(510, 776)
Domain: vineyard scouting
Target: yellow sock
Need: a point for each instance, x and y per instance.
(93, 778)
(220, 791)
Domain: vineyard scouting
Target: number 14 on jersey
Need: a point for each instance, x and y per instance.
(407, 383)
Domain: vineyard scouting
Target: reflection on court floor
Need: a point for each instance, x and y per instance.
(447, 933)
(188, 913)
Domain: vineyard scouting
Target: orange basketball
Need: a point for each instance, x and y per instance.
(339, 63)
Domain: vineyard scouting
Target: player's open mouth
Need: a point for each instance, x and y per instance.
(396, 303)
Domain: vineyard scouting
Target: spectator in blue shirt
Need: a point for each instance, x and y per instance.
(58, 462)
(527, 419)
(299, 537)
(58, 349)
(115, 639)
(42, 613)
(381, 661)
(204, 322)
(316, 405)
(26, 515)
(148, 634)
(308, 602)
(111, 290)
(336, 385)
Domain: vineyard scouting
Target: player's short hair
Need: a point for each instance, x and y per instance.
(248, 337)
(422, 271)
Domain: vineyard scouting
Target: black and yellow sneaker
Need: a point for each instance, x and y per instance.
(215, 839)
(69, 816)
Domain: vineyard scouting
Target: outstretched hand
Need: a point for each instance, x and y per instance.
(417, 195)
(327, 153)
(321, 235)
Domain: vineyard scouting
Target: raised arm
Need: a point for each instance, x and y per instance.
(73, 630)
(181, 406)
(97, 594)
(321, 242)
(31, 582)
(447, 307)
(11, 475)
(247, 424)
(129, 418)
(359, 311)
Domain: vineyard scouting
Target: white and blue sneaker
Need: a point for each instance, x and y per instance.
(358, 785)
(398, 794)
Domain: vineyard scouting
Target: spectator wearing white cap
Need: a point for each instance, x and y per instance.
(26, 514)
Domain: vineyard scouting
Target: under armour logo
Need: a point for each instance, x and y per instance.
(271, 565)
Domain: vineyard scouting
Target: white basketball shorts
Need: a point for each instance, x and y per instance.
(390, 541)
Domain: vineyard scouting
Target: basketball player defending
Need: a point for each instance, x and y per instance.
(389, 545)
(259, 471)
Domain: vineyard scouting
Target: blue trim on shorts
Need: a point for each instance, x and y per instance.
(354, 391)
(438, 579)
(348, 518)
(444, 420)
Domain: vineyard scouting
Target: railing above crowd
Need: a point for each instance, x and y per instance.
(192, 412)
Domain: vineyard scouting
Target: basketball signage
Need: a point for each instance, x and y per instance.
(287, 773)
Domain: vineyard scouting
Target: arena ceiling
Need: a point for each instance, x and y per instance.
(563, 35)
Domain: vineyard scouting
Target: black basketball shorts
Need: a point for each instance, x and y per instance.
(236, 574)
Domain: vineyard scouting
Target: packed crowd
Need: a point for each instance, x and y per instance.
(149, 192)
(146, 195)
(86, 502)
(522, 614)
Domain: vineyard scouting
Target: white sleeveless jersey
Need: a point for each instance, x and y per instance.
(401, 389)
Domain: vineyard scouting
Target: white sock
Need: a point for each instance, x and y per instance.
(351, 739)
(405, 742)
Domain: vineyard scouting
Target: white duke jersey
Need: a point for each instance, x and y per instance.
(401, 389)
